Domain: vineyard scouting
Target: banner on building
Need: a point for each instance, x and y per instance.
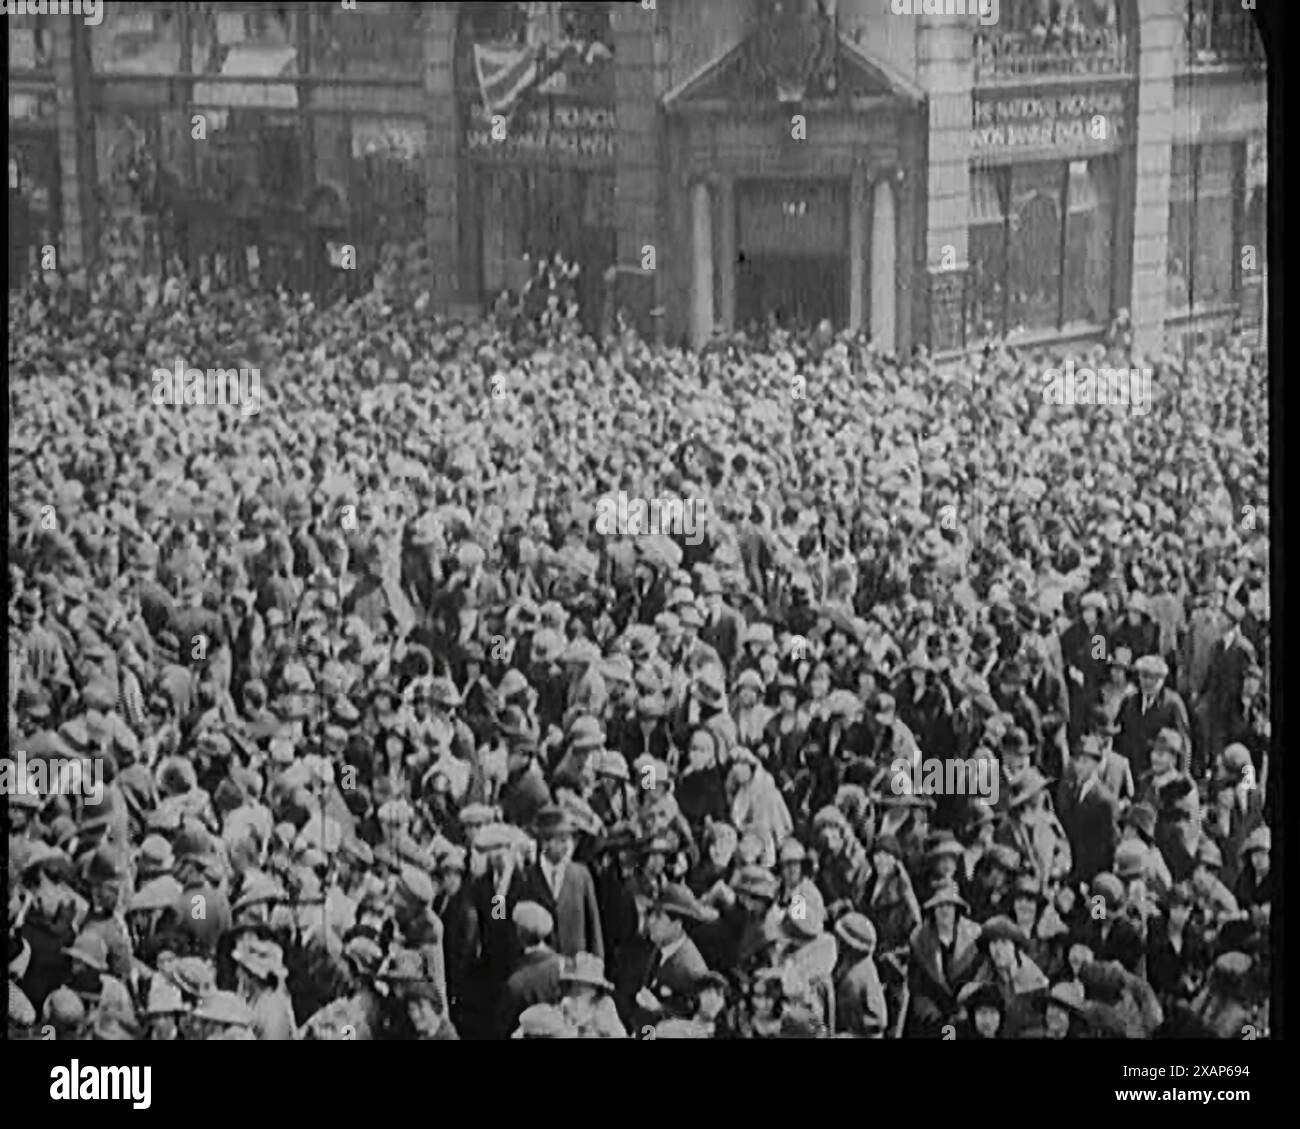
(571, 134)
(1064, 122)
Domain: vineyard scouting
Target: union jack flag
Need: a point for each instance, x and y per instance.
(507, 73)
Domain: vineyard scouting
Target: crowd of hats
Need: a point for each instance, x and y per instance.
(333, 655)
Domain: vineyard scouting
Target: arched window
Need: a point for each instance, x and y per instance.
(1054, 37)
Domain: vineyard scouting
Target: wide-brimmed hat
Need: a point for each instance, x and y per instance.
(194, 976)
(946, 894)
(258, 888)
(1234, 763)
(755, 882)
(476, 815)
(226, 1008)
(792, 851)
(1026, 787)
(612, 764)
(1130, 859)
(585, 968)
(980, 993)
(1027, 886)
(677, 901)
(262, 958)
(1101, 721)
(856, 931)
(554, 820)
(91, 950)
(1261, 839)
(544, 1021)
(1002, 928)
(582, 816)
(164, 998)
(710, 685)
(585, 735)
(944, 844)
(1109, 888)
(1068, 995)
(162, 892)
(1151, 664)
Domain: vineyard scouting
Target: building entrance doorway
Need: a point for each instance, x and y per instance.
(792, 248)
(794, 290)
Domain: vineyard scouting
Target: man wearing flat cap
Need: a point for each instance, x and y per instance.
(1085, 662)
(563, 886)
(1113, 770)
(417, 924)
(1153, 706)
(1231, 656)
(1089, 813)
(537, 979)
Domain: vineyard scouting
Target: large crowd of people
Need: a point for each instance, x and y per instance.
(394, 744)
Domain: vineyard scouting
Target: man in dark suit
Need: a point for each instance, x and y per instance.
(494, 896)
(1229, 659)
(563, 887)
(1113, 770)
(1047, 691)
(1089, 812)
(454, 905)
(672, 964)
(1153, 708)
(722, 627)
(1085, 666)
(537, 979)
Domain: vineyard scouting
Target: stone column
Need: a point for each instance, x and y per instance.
(1161, 36)
(726, 237)
(884, 257)
(638, 35)
(701, 264)
(945, 70)
(859, 201)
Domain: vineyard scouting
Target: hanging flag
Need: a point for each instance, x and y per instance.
(504, 75)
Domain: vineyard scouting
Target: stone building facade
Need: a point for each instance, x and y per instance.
(707, 163)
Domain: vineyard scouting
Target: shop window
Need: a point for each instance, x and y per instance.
(1205, 226)
(247, 40)
(987, 251)
(1040, 245)
(1053, 37)
(137, 39)
(1255, 202)
(1221, 32)
(1089, 232)
(377, 40)
(30, 46)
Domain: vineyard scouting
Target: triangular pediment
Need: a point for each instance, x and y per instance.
(758, 72)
